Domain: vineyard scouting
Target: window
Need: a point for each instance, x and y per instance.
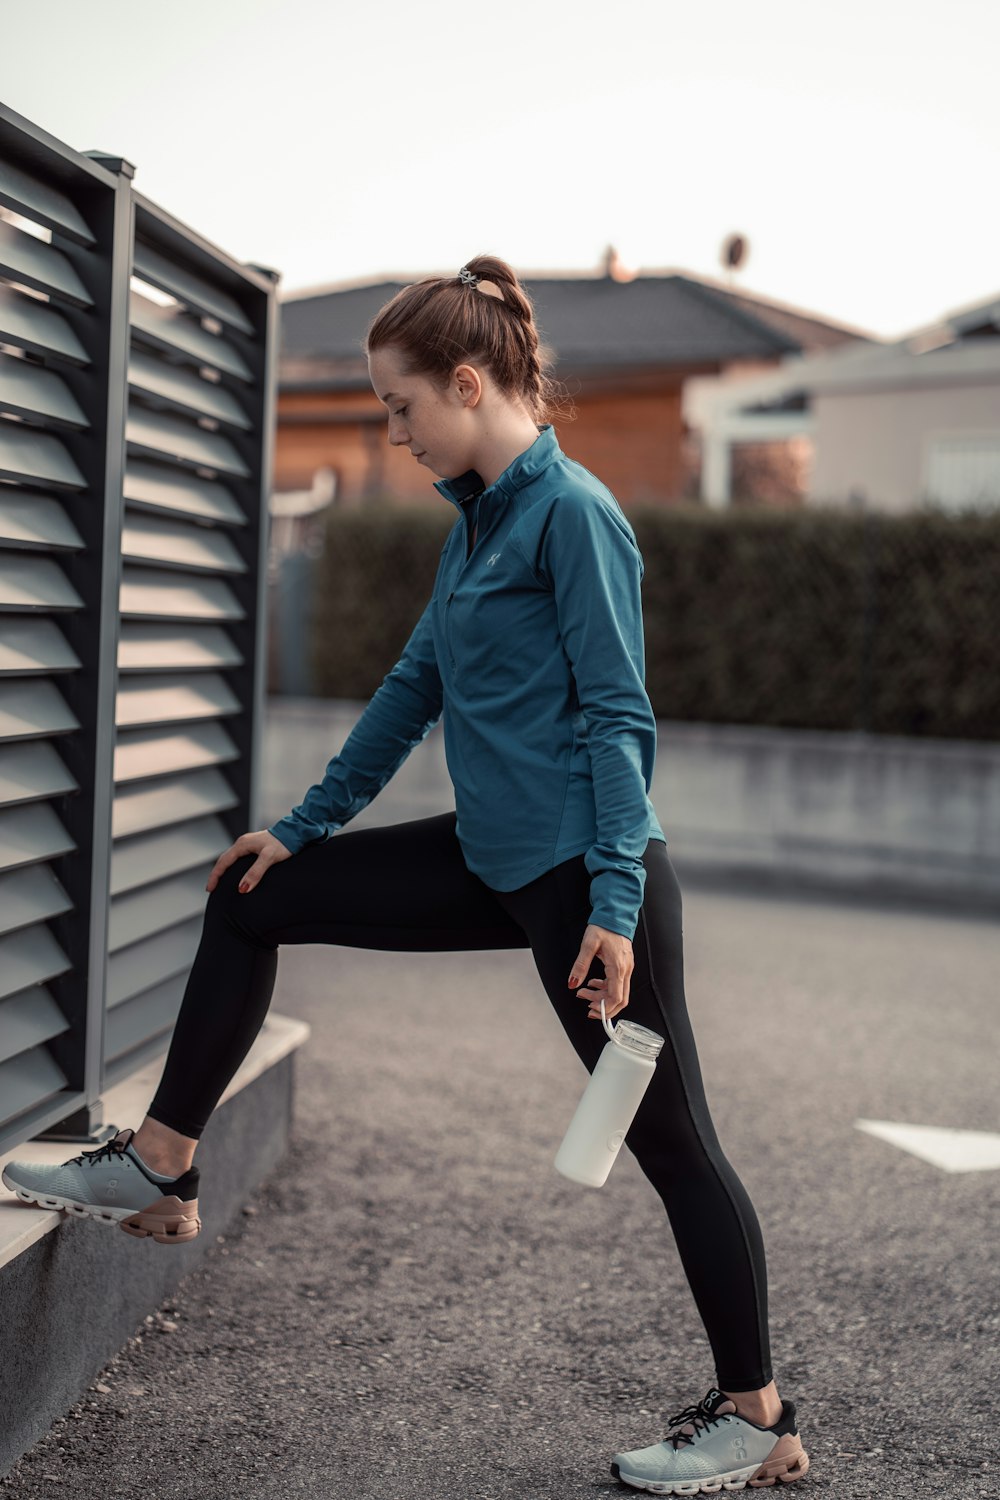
(963, 472)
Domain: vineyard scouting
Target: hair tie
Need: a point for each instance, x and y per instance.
(467, 277)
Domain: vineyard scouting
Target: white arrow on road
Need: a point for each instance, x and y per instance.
(951, 1150)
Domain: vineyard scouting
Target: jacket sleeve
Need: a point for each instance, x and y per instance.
(400, 714)
(591, 561)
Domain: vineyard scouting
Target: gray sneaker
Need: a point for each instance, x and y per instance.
(114, 1186)
(710, 1449)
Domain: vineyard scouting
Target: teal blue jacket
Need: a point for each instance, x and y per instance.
(531, 645)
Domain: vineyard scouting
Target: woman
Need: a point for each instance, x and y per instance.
(531, 646)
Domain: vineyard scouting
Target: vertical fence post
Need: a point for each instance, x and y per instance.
(97, 799)
(269, 397)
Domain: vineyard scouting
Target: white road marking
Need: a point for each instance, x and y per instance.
(951, 1150)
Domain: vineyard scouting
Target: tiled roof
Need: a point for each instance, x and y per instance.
(589, 322)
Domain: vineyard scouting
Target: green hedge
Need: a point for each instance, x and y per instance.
(372, 581)
(824, 619)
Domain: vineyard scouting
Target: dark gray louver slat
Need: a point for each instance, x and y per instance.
(148, 910)
(171, 699)
(170, 596)
(27, 454)
(158, 435)
(180, 558)
(35, 263)
(155, 958)
(30, 895)
(190, 289)
(29, 771)
(184, 392)
(28, 1073)
(149, 1014)
(152, 487)
(29, 391)
(29, 1017)
(31, 833)
(29, 1079)
(28, 520)
(153, 752)
(39, 327)
(179, 544)
(29, 958)
(152, 649)
(43, 203)
(31, 708)
(193, 845)
(162, 329)
(144, 808)
(38, 605)
(33, 644)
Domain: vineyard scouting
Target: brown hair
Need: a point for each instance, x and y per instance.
(442, 321)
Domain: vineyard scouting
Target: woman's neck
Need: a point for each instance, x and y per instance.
(502, 442)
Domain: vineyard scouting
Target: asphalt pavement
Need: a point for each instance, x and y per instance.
(416, 1305)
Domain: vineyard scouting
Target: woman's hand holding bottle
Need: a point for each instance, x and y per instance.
(615, 953)
(269, 851)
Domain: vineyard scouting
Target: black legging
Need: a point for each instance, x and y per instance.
(406, 889)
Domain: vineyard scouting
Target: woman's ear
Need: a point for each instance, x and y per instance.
(467, 384)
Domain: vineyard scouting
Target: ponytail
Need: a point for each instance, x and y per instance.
(482, 315)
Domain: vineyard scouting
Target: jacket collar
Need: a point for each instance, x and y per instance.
(543, 451)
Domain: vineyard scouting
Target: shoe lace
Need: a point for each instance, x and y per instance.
(695, 1416)
(102, 1153)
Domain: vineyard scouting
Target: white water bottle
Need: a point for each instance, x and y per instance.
(610, 1102)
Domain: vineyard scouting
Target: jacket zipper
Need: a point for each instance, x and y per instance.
(470, 547)
(447, 630)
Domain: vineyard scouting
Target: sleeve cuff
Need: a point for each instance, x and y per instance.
(290, 832)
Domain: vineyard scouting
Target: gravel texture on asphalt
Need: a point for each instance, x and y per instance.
(415, 1304)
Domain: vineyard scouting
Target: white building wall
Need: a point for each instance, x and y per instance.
(880, 442)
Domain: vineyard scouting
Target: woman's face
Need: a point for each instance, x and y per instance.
(435, 425)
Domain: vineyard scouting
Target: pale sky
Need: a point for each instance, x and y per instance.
(855, 145)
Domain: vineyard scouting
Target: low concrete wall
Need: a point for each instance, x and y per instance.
(859, 814)
(73, 1292)
(854, 814)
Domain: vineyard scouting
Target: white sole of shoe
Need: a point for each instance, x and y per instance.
(736, 1480)
(96, 1211)
(787, 1462)
(167, 1221)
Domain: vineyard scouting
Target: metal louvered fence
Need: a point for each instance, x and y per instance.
(137, 370)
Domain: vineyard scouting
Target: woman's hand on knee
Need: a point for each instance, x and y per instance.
(269, 851)
(615, 953)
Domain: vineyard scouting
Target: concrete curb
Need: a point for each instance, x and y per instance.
(70, 1297)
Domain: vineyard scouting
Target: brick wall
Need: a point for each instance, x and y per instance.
(631, 440)
(346, 431)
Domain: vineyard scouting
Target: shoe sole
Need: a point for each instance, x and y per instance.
(168, 1221)
(787, 1461)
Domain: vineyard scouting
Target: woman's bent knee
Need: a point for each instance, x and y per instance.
(239, 912)
(226, 888)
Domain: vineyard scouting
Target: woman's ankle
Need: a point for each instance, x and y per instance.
(762, 1406)
(163, 1150)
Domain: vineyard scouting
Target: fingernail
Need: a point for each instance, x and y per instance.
(573, 981)
(243, 886)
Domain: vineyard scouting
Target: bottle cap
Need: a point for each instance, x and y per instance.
(632, 1036)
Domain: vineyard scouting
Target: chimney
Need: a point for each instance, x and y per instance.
(613, 267)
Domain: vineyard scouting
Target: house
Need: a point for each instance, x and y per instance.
(624, 345)
(894, 425)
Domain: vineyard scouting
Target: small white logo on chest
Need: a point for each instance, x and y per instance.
(491, 560)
